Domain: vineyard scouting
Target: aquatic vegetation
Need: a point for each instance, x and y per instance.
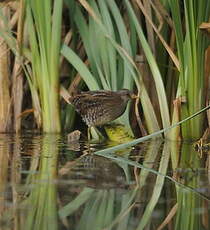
(103, 45)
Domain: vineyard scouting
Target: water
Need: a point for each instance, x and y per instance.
(47, 183)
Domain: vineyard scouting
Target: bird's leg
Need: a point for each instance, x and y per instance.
(93, 136)
(96, 135)
(89, 138)
(89, 133)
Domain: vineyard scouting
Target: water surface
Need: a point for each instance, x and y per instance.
(48, 183)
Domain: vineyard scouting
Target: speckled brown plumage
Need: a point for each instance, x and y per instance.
(100, 107)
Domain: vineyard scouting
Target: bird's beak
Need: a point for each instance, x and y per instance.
(134, 96)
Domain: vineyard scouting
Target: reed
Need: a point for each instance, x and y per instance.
(17, 72)
(5, 98)
(44, 32)
(191, 46)
(40, 60)
(110, 39)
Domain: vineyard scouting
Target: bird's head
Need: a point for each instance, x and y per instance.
(127, 94)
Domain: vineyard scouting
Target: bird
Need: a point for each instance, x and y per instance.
(101, 106)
